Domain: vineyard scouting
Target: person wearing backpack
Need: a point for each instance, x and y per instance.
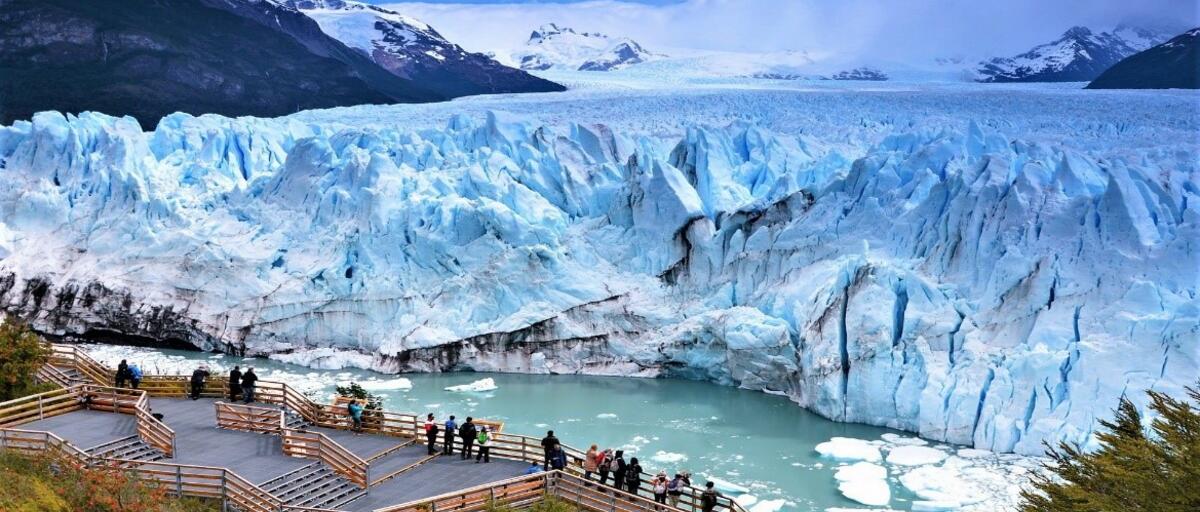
(633, 476)
(708, 498)
(485, 449)
(619, 469)
(448, 438)
(548, 444)
(675, 489)
(660, 484)
(604, 465)
(467, 433)
(431, 432)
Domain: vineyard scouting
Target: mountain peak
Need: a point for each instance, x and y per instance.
(1078, 32)
(553, 46)
(1080, 55)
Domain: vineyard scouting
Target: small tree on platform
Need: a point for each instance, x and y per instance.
(21, 355)
(1131, 471)
(370, 400)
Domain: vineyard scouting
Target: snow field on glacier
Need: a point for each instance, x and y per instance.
(985, 266)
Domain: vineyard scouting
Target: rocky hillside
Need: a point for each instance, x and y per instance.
(148, 59)
(1078, 56)
(1174, 64)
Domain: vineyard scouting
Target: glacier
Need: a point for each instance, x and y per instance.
(934, 275)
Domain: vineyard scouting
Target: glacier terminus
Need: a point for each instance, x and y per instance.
(983, 276)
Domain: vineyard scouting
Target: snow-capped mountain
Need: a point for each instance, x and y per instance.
(1079, 55)
(1174, 64)
(555, 47)
(234, 57)
(413, 50)
(860, 73)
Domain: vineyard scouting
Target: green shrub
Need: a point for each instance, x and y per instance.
(22, 353)
(369, 400)
(43, 484)
(1131, 471)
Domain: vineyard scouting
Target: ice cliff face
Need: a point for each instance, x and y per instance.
(968, 286)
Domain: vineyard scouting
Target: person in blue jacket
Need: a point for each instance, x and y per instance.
(135, 375)
(355, 409)
(448, 439)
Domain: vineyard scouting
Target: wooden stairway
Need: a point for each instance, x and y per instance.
(313, 486)
(129, 448)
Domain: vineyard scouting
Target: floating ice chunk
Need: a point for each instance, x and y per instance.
(846, 448)
(606, 415)
(860, 471)
(668, 457)
(972, 453)
(487, 384)
(768, 506)
(915, 456)
(935, 506)
(940, 485)
(900, 440)
(383, 385)
(746, 500)
(865, 483)
(728, 487)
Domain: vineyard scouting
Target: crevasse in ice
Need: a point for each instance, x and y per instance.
(964, 285)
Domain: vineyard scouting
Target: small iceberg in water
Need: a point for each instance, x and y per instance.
(480, 385)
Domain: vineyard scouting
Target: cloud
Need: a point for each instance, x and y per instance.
(881, 29)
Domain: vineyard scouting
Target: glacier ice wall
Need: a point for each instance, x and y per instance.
(962, 284)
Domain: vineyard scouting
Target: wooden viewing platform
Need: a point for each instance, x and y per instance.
(286, 452)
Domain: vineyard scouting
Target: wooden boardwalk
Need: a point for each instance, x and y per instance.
(286, 453)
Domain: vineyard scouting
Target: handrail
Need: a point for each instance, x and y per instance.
(471, 497)
(249, 418)
(315, 445)
(36, 407)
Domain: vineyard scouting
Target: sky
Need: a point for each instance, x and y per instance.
(897, 30)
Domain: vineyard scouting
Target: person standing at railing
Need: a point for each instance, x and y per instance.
(548, 444)
(558, 458)
(676, 487)
(708, 498)
(355, 409)
(604, 465)
(619, 470)
(660, 484)
(197, 382)
(122, 374)
(467, 433)
(248, 380)
(235, 383)
(431, 432)
(485, 447)
(448, 436)
(633, 476)
(589, 462)
(135, 375)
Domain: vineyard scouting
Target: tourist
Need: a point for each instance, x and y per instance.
(604, 465)
(589, 462)
(533, 469)
(467, 433)
(122, 374)
(235, 383)
(485, 449)
(197, 381)
(633, 476)
(619, 469)
(135, 375)
(431, 432)
(448, 437)
(248, 380)
(548, 444)
(355, 409)
(708, 498)
(558, 457)
(659, 485)
(676, 487)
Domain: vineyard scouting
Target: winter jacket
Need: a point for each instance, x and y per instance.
(467, 431)
(249, 378)
(135, 372)
(235, 378)
(589, 461)
(355, 411)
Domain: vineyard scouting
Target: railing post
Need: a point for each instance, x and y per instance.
(224, 497)
(179, 481)
(40, 408)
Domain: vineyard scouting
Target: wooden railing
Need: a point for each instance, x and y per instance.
(73, 356)
(516, 492)
(37, 407)
(315, 445)
(36, 441)
(249, 418)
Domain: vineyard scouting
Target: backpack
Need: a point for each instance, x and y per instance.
(708, 499)
(467, 431)
(604, 462)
